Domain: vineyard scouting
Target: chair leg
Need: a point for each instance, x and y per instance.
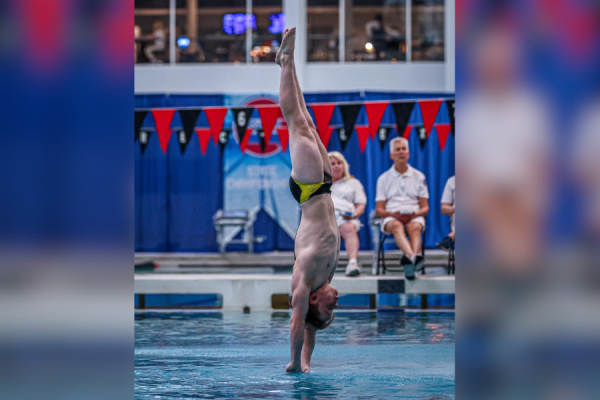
(379, 252)
(382, 253)
(423, 255)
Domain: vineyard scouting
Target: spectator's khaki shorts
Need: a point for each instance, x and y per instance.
(420, 220)
(340, 221)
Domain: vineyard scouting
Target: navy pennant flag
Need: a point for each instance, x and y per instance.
(140, 116)
(144, 139)
(261, 139)
(349, 114)
(402, 111)
(241, 117)
(189, 117)
(224, 138)
(451, 108)
(383, 133)
(422, 132)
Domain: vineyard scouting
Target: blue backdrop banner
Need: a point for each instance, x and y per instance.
(177, 194)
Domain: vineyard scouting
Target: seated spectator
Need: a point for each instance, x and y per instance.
(402, 203)
(448, 205)
(160, 42)
(349, 201)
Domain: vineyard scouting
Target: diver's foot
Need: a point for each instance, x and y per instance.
(286, 50)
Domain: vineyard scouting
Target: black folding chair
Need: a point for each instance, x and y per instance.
(376, 223)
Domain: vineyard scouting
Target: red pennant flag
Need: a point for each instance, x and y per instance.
(323, 113)
(268, 116)
(204, 135)
(407, 132)
(162, 121)
(245, 139)
(363, 136)
(284, 136)
(443, 130)
(429, 110)
(375, 113)
(215, 116)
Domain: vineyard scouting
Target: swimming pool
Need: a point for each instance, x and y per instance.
(362, 355)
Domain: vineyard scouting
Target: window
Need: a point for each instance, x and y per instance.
(227, 31)
(267, 35)
(216, 31)
(151, 31)
(428, 30)
(375, 30)
(220, 32)
(322, 24)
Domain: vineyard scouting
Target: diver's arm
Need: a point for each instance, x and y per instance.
(300, 298)
(310, 338)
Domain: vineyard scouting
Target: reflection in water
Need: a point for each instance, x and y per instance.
(307, 386)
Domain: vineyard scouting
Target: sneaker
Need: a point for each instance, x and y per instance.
(352, 269)
(409, 268)
(445, 244)
(419, 263)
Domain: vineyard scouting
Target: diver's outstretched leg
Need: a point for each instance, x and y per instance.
(322, 149)
(307, 162)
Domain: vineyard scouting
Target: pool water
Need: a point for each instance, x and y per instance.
(362, 355)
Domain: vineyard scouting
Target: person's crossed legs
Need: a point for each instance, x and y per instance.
(410, 249)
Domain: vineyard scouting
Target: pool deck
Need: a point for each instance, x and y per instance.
(257, 290)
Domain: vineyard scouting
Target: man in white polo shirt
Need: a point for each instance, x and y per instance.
(402, 203)
(448, 208)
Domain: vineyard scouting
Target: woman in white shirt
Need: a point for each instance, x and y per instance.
(349, 201)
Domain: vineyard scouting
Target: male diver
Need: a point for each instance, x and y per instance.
(317, 240)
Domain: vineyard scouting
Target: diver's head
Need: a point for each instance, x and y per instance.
(322, 302)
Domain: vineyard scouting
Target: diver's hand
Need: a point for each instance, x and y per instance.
(292, 368)
(306, 368)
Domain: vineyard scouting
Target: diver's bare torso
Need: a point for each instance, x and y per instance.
(317, 241)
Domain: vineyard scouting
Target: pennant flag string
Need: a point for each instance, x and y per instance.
(312, 104)
(270, 114)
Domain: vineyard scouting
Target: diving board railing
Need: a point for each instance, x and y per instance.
(256, 291)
